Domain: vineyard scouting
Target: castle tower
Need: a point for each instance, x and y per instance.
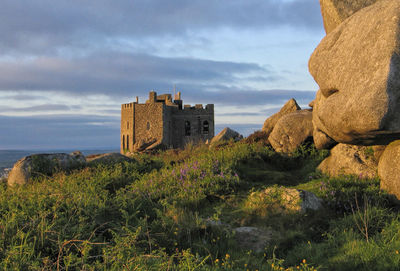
(164, 123)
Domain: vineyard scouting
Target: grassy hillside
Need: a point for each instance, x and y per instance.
(177, 211)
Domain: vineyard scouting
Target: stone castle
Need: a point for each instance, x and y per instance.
(164, 123)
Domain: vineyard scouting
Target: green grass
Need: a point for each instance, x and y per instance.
(176, 210)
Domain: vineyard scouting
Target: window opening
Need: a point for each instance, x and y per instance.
(187, 128)
(206, 127)
(127, 142)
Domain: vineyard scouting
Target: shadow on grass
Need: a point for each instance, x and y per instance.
(281, 169)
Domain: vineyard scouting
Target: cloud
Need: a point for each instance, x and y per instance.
(242, 97)
(37, 108)
(59, 131)
(45, 26)
(61, 54)
(73, 132)
(246, 114)
(24, 97)
(121, 75)
(117, 73)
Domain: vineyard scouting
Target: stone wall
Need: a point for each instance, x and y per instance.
(196, 117)
(127, 127)
(149, 122)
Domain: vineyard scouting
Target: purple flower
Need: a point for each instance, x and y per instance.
(195, 165)
(183, 172)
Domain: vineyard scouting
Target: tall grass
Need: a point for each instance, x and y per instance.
(176, 210)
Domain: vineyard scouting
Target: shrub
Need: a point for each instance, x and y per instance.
(257, 136)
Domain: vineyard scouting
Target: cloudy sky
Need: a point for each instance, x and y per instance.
(66, 66)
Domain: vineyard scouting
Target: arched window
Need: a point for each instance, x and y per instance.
(127, 142)
(187, 128)
(148, 126)
(206, 127)
(123, 142)
(127, 125)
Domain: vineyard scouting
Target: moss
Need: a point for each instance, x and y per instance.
(41, 165)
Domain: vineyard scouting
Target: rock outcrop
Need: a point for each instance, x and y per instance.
(281, 201)
(334, 12)
(357, 67)
(106, 158)
(252, 238)
(43, 164)
(350, 159)
(389, 169)
(291, 131)
(225, 135)
(289, 107)
(148, 144)
(257, 136)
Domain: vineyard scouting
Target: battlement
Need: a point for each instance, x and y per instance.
(199, 107)
(127, 106)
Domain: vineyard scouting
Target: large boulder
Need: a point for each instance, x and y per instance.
(389, 169)
(322, 140)
(334, 12)
(357, 67)
(225, 135)
(291, 131)
(43, 164)
(289, 107)
(276, 200)
(106, 158)
(351, 160)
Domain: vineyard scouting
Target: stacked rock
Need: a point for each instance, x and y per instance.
(357, 68)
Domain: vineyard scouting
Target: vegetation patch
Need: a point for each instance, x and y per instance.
(178, 210)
